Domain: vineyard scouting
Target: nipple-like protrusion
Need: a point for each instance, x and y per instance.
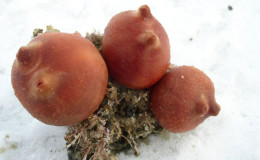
(149, 39)
(144, 11)
(214, 109)
(28, 57)
(202, 106)
(24, 56)
(43, 84)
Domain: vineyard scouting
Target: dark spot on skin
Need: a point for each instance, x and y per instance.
(39, 83)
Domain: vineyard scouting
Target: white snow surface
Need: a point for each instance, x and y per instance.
(224, 44)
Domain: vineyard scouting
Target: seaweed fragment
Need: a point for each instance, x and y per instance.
(49, 28)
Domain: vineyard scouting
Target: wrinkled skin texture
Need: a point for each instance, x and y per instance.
(183, 99)
(59, 78)
(136, 48)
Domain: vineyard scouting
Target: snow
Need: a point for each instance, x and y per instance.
(223, 43)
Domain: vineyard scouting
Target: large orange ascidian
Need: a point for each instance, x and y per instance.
(136, 48)
(183, 99)
(60, 78)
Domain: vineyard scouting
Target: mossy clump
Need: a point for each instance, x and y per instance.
(121, 121)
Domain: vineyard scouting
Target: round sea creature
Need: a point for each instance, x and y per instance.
(136, 48)
(183, 99)
(60, 78)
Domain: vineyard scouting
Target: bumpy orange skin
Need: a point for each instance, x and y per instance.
(59, 78)
(183, 99)
(136, 48)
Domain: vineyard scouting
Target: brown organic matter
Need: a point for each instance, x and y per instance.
(183, 99)
(59, 78)
(136, 48)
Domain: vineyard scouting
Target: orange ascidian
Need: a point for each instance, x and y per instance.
(136, 48)
(183, 99)
(60, 78)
